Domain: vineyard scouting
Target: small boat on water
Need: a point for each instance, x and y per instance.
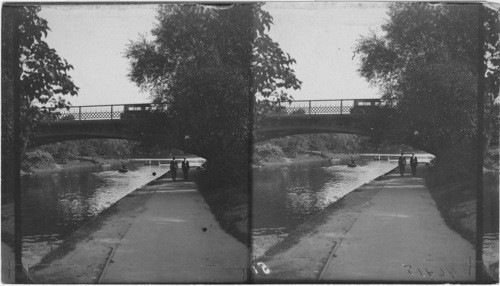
(123, 169)
(350, 165)
(106, 164)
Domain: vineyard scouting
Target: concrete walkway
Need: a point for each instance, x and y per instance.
(176, 240)
(400, 236)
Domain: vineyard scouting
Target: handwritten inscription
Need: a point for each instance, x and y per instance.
(260, 268)
(425, 272)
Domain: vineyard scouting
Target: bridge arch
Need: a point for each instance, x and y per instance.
(122, 121)
(76, 130)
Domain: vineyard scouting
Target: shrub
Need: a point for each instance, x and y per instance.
(36, 159)
(267, 151)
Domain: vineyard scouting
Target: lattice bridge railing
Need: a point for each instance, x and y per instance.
(141, 110)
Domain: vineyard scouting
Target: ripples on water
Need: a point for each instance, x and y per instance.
(56, 204)
(285, 197)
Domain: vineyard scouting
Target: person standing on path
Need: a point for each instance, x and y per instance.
(413, 164)
(173, 168)
(185, 168)
(402, 164)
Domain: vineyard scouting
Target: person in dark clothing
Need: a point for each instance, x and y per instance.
(185, 168)
(402, 164)
(413, 164)
(173, 168)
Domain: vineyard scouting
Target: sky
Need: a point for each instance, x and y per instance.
(319, 35)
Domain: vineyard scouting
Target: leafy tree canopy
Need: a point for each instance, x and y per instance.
(210, 66)
(191, 36)
(426, 61)
(43, 73)
(43, 78)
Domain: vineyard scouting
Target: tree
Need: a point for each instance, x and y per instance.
(43, 77)
(292, 145)
(191, 36)
(210, 108)
(426, 62)
(210, 66)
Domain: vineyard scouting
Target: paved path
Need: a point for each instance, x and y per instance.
(167, 243)
(401, 236)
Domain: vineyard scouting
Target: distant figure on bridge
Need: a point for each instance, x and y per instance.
(413, 164)
(185, 168)
(402, 164)
(173, 168)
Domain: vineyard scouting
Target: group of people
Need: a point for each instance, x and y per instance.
(174, 167)
(402, 164)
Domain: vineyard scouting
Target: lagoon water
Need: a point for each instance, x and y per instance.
(286, 196)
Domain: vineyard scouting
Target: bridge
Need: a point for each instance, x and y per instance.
(290, 118)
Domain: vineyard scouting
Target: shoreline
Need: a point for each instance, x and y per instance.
(309, 235)
(309, 156)
(92, 245)
(71, 164)
(305, 254)
(314, 221)
(129, 204)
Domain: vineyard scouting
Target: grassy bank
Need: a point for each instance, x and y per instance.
(456, 198)
(340, 159)
(229, 205)
(456, 201)
(70, 164)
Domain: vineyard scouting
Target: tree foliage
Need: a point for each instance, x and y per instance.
(44, 74)
(210, 110)
(210, 66)
(43, 78)
(61, 152)
(323, 142)
(191, 37)
(426, 62)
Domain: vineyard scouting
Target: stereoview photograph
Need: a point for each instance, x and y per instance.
(260, 142)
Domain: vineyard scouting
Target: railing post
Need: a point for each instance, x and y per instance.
(341, 104)
(309, 107)
(111, 112)
(79, 113)
(279, 109)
